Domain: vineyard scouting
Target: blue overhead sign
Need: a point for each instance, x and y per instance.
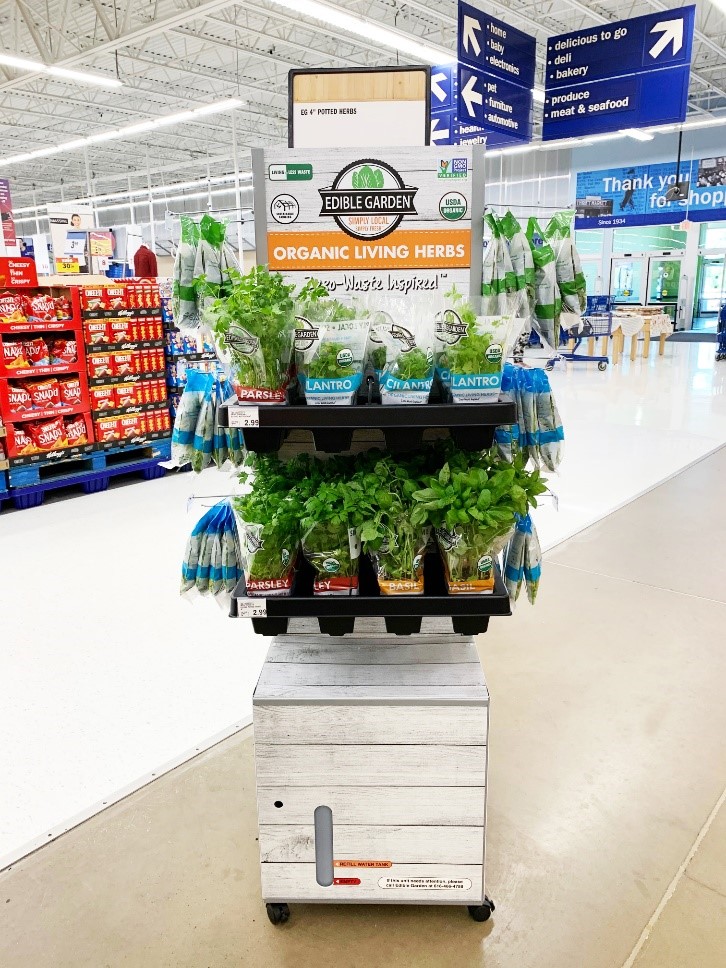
(494, 47)
(628, 74)
(448, 128)
(442, 87)
(494, 104)
(649, 43)
(658, 97)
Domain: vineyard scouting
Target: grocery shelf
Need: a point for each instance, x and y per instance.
(266, 425)
(105, 381)
(131, 409)
(137, 313)
(336, 614)
(124, 345)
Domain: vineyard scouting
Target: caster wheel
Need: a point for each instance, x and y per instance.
(602, 366)
(482, 912)
(278, 913)
(549, 367)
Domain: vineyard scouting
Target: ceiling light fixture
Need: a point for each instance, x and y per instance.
(24, 64)
(227, 104)
(637, 134)
(368, 29)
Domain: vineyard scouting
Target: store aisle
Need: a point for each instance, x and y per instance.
(108, 683)
(608, 758)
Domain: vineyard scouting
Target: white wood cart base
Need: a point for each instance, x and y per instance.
(371, 761)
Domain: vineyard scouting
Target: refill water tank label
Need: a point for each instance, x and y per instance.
(363, 863)
(426, 883)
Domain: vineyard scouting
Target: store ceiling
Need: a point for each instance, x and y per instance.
(173, 55)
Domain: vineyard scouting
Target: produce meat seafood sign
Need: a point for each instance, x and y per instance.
(390, 220)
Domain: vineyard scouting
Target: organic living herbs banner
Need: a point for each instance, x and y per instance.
(366, 220)
(639, 194)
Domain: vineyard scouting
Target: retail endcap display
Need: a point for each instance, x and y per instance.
(385, 506)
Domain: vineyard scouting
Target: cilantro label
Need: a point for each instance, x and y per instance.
(294, 172)
(344, 357)
(453, 206)
(368, 199)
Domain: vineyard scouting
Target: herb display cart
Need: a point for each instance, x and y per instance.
(371, 711)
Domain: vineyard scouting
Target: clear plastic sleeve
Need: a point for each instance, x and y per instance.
(334, 553)
(330, 351)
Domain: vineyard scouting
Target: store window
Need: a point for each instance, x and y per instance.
(589, 241)
(649, 238)
(713, 235)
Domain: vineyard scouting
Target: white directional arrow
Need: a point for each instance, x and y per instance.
(471, 96)
(469, 34)
(670, 30)
(439, 134)
(436, 88)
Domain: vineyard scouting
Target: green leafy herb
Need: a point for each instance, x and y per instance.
(367, 177)
(414, 365)
(325, 364)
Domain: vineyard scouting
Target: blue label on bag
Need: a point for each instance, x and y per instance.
(475, 387)
(327, 391)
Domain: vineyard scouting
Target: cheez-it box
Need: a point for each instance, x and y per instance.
(103, 398)
(100, 364)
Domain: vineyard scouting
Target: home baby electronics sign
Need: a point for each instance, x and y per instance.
(392, 220)
(628, 74)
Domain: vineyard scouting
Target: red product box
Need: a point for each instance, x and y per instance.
(120, 331)
(93, 299)
(128, 394)
(130, 425)
(142, 357)
(115, 297)
(19, 399)
(103, 398)
(96, 331)
(100, 364)
(158, 358)
(107, 428)
(71, 392)
(124, 364)
(142, 325)
(134, 330)
(130, 295)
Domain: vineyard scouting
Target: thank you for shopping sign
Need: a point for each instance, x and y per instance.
(628, 74)
(391, 220)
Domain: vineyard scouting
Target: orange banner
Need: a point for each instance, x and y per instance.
(414, 249)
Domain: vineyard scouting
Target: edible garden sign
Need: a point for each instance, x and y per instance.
(390, 220)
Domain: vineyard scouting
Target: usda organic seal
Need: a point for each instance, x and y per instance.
(331, 565)
(494, 353)
(453, 206)
(485, 565)
(345, 357)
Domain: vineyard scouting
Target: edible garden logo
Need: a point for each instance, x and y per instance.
(368, 199)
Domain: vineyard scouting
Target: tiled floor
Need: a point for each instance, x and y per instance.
(112, 676)
(607, 761)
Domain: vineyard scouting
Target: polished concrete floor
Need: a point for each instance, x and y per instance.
(607, 834)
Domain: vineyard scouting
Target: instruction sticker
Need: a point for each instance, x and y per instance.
(426, 883)
(362, 863)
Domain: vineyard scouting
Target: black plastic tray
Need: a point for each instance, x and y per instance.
(471, 425)
(336, 614)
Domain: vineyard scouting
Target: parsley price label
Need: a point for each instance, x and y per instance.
(241, 417)
(252, 607)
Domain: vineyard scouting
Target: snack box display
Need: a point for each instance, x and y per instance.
(48, 434)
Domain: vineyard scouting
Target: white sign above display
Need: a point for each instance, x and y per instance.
(386, 220)
(391, 123)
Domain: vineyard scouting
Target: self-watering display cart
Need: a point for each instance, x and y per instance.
(371, 712)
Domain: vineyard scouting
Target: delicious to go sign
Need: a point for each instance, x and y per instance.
(638, 195)
(387, 220)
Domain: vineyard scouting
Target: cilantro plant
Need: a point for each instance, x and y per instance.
(254, 324)
(414, 365)
(325, 364)
(378, 357)
(315, 304)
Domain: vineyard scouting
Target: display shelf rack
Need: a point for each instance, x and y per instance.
(265, 426)
(103, 381)
(131, 409)
(137, 313)
(125, 345)
(336, 614)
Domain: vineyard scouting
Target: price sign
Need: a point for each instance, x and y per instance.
(241, 417)
(252, 607)
(67, 265)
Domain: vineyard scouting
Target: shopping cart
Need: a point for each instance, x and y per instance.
(595, 323)
(721, 330)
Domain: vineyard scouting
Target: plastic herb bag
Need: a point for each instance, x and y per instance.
(269, 543)
(528, 403)
(506, 437)
(470, 351)
(187, 417)
(184, 300)
(498, 279)
(330, 347)
(548, 303)
(568, 269)
(211, 558)
(330, 525)
(208, 261)
(532, 562)
(404, 345)
(204, 431)
(254, 328)
(399, 560)
(514, 557)
(550, 435)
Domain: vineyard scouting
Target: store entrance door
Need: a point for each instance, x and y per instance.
(628, 280)
(710, 291)
(664, 282)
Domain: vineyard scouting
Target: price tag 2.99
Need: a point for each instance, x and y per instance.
(241, 417)
(252, 607)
